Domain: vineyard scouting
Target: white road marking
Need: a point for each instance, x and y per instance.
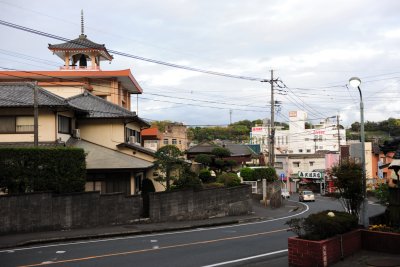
(156, 247)
(248, 258)
(60, 252)
(160, 234)
(47, 262)
(153, 241)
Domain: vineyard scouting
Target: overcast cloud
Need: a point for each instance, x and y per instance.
(314, 47)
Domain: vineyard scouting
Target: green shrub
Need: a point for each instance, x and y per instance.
(229, 179)
(187, 179)
(204, 159)
(382, 193)
(320, 225)
(61, 170)
(205, 176)
(247, 174)
(265, 173)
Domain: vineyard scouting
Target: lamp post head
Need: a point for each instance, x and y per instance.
(355, 82)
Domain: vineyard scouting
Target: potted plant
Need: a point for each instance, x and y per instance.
(323, 238)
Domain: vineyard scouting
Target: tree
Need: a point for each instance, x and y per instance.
(187, 180)
(160, 125)
(349, 183)
(355, 127)
(265, 173)
(203, 159)
(219, 163)
(221, 152)
(169, 158)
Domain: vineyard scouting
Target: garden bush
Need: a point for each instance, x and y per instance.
(247, 174)
(265, 173)
(324, 224)
(32, 169)
(205, 176)
(229, 179)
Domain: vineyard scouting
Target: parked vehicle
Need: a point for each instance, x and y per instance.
(306, 196)
(285, 193)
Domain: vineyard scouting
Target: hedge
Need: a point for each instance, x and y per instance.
(61, 170)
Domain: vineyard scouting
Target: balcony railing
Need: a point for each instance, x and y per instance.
(80, 68)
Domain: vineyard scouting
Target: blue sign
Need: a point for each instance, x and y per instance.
(282, 176)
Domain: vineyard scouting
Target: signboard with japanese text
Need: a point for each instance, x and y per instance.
(310, 175)
(259, 129)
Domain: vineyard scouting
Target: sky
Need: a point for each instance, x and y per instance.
(313, 48)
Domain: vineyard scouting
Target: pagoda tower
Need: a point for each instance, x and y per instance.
(81, 53)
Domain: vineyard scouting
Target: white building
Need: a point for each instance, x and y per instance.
(298, 139)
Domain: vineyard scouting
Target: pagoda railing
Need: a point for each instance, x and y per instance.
(80, 68)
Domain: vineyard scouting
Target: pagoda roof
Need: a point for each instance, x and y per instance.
(82, 43)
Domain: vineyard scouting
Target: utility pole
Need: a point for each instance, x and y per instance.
(272, 152)
(271, 129)
(230, 116)
(35, 116)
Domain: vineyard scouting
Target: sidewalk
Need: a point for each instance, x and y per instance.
(260, 212)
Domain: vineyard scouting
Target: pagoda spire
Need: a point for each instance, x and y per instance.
(79, 52)
(82, 25)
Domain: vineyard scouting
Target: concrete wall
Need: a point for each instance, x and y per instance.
(45, 211)
(196, 205)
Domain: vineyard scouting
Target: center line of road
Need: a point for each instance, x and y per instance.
(160, 248)
(248, 258)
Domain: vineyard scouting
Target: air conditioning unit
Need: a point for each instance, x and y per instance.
(76, 133)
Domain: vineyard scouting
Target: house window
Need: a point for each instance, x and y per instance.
(296, 164)
(64, 124)
(165, 142)
(308, 150)
(279, 165)
(24, 124)
(300, 150)
(180, 142)
(311, 163)
(133, 133)
(17, 124)
(174, 141)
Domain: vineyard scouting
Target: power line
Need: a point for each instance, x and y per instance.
(105, 86)
(49, 35)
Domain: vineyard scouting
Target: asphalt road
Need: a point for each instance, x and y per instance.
(252, 244)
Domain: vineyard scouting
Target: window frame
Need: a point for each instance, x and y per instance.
(59, 124)
(14, 119)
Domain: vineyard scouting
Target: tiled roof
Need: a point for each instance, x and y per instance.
(138, 148)
(149, 132)
(21, 95)
(81, 43)
(98, 107)
(235, 149)
(99, 157)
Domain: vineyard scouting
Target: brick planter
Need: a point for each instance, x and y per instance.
(324, 252)
(381, 241)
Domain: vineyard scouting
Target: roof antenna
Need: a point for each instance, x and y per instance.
(82, 25)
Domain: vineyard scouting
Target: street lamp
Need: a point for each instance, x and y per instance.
(355, 82)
